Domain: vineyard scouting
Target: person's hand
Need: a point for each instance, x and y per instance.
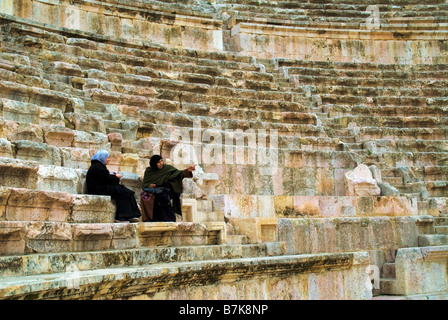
(152, 185)
(191, 168)
(119, 176)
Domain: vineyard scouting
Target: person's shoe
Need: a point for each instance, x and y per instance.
(132, 220)
(121, 221)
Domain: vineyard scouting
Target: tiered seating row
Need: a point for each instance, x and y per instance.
(164, 93)
(338, 15)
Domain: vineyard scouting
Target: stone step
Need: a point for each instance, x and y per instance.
(348, 139)
(386, 121)
(38, 96)
(350, 17)
(237, 239)
(134, 56)
(355, 146)
(425, 240)
(24, 205)
(441, 221)
(441, 230)
(23, 237)
(388, 172)
(158, 278)
(393, 180)
(47, 263)
(389, 287)
(375, 132)
(346, 4)
(302, 63)
(387, 110)
(337, 73)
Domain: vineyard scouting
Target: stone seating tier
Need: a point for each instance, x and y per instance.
(38, 263)
(132, 60)
(169, 280)
(337, 15)
(359, 134)
(420, 109)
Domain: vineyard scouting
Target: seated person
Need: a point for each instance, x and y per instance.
(163, 175)
(100, 181)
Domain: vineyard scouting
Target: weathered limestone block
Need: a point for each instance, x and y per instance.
(421, 270)
(50, 117)
(99, 95)
(126, 162)
(359, 182)
(37, 151)
(34, 205)
(16, 131)
(85, 123)
(393, 206)
(48, 237)
(181, 233)
(59, 136)
(67, 69)
(129, 112)
(18, 173)
(5, 148)
(91, 237)
(115, 140)
(128, 129)
(48, 98)
(125, 235)
(425, 224)
(12, 237)
(190, 187)
(20, 111)
(56, 178)
(426, 240)
(91, 139)
(92, 209)
(77, 158)
(155, 233)
(189, 233)
(134, 100)
(260, 229)
(342, 234)
(244, 206)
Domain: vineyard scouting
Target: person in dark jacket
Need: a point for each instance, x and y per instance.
(100, 181)
(159, 174)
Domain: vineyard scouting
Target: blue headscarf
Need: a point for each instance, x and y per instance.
(101, 156)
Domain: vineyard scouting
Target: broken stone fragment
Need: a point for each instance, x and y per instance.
(360, 182)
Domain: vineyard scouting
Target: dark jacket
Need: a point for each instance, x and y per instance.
(99, 180)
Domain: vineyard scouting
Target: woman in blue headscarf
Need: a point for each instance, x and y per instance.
(100, 181)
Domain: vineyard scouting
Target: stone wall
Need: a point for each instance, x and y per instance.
(135, 21)
(319, 45)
